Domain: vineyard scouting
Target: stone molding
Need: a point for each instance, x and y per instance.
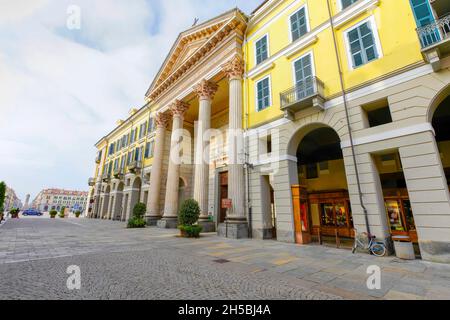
(206, 90)
(234, 69)
(162, 120)
(179, 108)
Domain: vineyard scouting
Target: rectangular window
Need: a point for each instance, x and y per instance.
(362, 44)
(347, 3)
(149, 150)
(116, 164)
(130, 157)
(262, 50)
(311, 171)
(143, 130)
(122, 162)
(299, 26)
(304, 81)
(263, 94)
(151, 125)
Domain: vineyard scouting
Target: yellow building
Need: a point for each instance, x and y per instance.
(343, 110)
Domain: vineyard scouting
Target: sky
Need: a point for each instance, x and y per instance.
(62, 89)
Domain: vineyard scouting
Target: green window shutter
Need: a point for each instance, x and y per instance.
(362, 45)
(262, 52)
(298, 24)
(263, 94)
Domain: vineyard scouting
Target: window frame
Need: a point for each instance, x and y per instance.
(266, 35)
(341, 7)
(313, 67)
(270, 93)
(374, 28)
(308, 27)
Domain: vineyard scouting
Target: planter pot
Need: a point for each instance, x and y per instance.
(14, 216)
(52, 217)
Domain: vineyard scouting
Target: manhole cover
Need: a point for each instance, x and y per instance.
(221, 261)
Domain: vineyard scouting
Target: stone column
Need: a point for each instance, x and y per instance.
(236, 225)
(205, 92)
(170, 218)
(153, 211)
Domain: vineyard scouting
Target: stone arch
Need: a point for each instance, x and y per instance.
(443, 94)
(321, 197)
(440, 120)
(299, 133)
(133, 197)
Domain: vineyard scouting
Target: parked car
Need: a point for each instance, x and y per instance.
(32, 212)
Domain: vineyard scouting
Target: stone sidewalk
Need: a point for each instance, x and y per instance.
(324, 269)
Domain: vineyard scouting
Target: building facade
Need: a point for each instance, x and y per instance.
(306, 119)
(12, 201)
(56, 199)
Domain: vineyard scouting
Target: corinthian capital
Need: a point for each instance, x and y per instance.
(179, 108)
(162, 119)
(234, 69)
(206, 89)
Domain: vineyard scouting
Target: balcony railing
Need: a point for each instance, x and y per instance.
(118, 173)
(134, 166)
(305, 94)
(106, 177)
(91, 182)
(434, 33)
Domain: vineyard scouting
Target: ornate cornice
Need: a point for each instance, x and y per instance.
(162, 120)
(206, 90)
(179, 108)
(236, 23)
(234, 69)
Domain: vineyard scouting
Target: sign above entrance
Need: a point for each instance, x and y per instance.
(227, 203)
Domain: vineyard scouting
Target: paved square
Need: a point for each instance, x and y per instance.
(117, 263)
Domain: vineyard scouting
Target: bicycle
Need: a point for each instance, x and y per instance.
(377, 249)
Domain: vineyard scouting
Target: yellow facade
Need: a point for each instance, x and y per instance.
(395, 30)
(126, 128)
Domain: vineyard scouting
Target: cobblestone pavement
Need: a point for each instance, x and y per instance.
(117, 263)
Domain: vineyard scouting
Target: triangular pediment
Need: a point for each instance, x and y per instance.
(188, 44)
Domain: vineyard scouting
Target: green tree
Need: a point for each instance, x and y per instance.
(2, 195)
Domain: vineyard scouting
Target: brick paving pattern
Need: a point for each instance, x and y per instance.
(117, 263)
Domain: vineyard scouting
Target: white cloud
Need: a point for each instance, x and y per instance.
(62, 90)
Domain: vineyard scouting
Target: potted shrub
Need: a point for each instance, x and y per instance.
(53, 214)
(137, 220)
(77, 214)
(189, 214)
(14, 213)
(62, 213)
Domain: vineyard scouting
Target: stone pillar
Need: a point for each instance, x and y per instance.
(116, 206)
(153, 211)
(236, 225)
(205, 92)
(170, 218)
